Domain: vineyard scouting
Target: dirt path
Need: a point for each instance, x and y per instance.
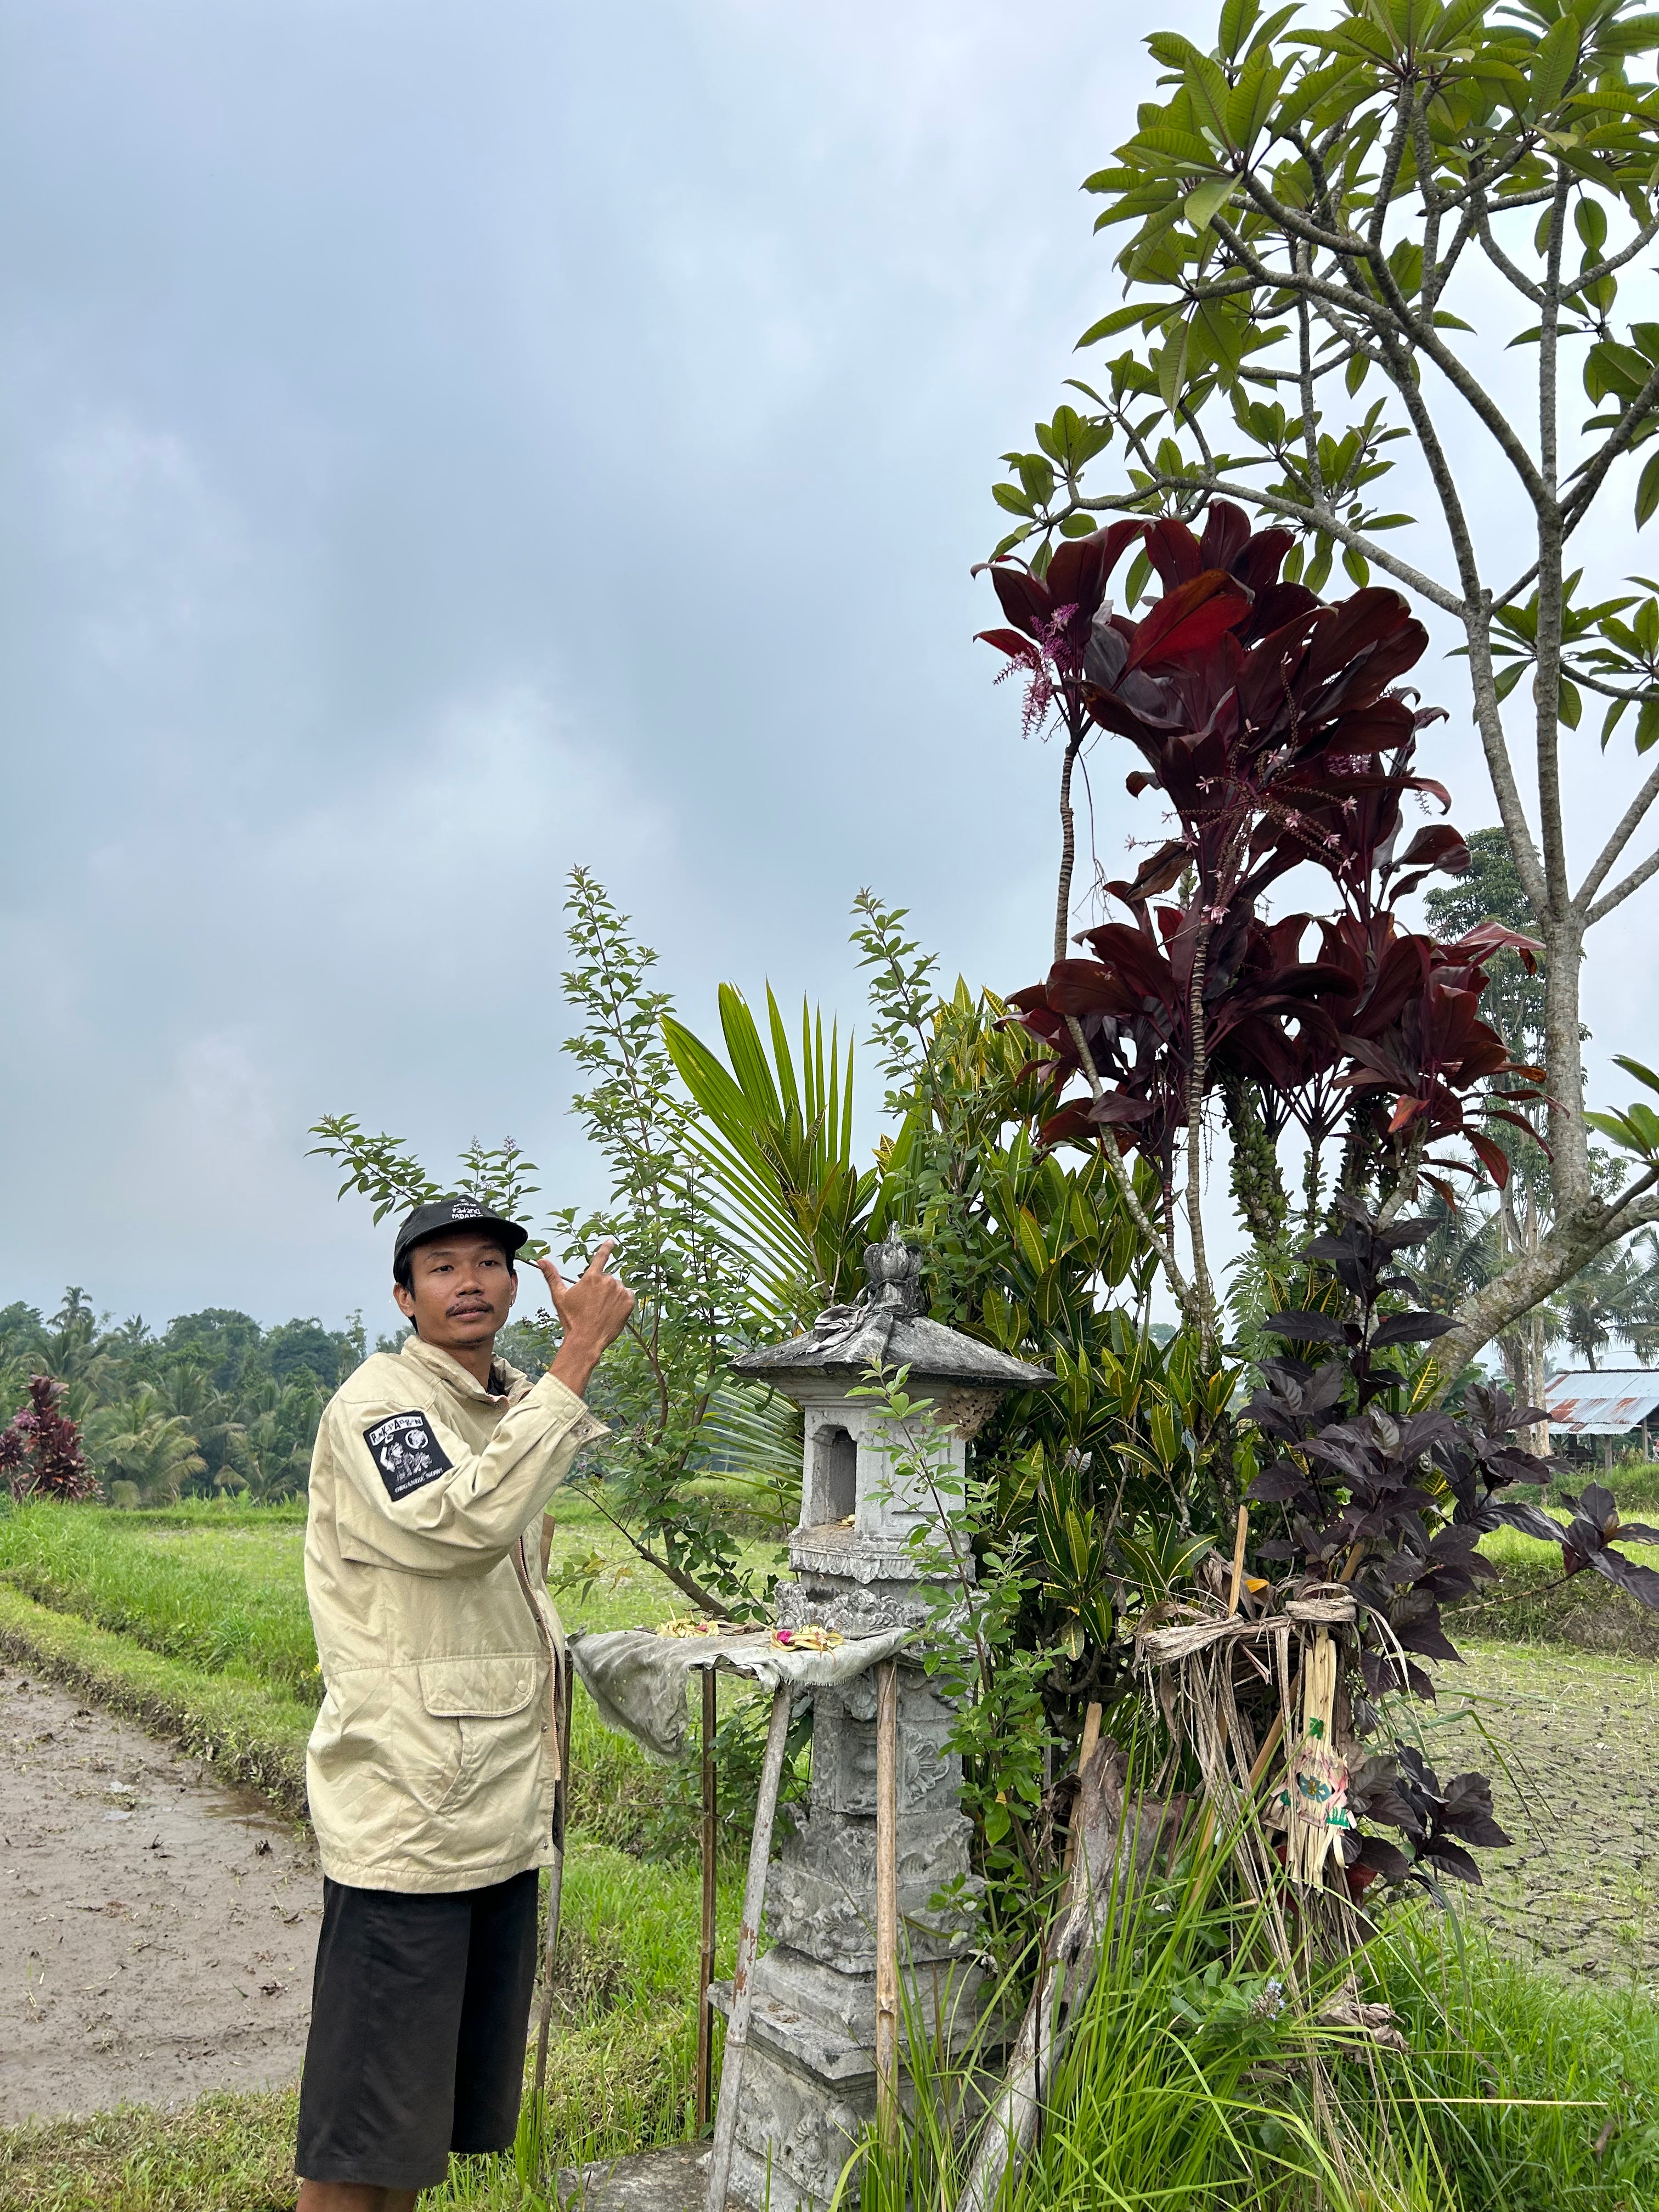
(1579, 1735)
(156, 1930)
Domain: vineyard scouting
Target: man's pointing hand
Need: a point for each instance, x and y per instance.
(594, 1311)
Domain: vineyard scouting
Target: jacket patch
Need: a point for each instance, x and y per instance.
(407, 1454)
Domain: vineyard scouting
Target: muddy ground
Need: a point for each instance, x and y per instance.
(156, 1930)
(1572, 1743)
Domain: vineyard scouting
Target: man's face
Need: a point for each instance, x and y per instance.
(461, 1291)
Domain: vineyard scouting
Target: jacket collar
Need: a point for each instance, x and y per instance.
(454, 1377)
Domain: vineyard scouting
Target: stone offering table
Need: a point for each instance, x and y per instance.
(809, 2078)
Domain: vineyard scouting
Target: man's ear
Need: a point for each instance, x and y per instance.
(512, 1286)
(406, 1301)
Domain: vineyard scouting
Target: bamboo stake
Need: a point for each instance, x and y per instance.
(555, 1878)
(1308, 1838)
(742, 1993)
(706, 1956)
(887, 2006)
(1238, 1561)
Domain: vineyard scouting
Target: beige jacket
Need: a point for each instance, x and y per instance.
(433, 1759)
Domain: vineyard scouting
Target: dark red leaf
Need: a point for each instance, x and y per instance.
(1024, 600)
(1116, 1106)
(1439, 845)
(1188, 620)
(1226, 535)
(1307, 1327)
(1491, 1156)
(1009, 641)
(1452, 1858)
(1173, 551)
(1411, 1328)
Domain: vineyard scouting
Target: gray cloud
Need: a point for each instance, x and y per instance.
(445, 443)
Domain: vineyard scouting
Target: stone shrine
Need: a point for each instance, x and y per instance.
(808, 2088)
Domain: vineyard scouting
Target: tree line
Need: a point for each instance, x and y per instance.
(210, 1405)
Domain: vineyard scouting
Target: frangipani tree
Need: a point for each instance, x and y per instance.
(1310, 208)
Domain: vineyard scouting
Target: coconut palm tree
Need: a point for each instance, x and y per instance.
(186, 1391)
(140, 1441)
(279, 1422)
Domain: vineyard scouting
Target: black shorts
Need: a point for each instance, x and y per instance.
(419, 2013)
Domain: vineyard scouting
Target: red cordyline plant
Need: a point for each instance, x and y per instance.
(1275, 726)
(40, 1450)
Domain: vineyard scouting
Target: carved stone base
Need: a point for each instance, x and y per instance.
(809, 2080)
(808, 2084)
(820, 1895)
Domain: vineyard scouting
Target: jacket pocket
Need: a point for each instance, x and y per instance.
(481, 1705)
(485, 1687)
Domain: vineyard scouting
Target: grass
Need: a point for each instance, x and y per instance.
(222, 1587)
(1184, 2089)
(250, 1731)
(216, 1592)
(1582, 2064)
(225, 1597)
(1531, 1604)
(193, 1621)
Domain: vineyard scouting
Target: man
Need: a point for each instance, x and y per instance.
(432, 1766)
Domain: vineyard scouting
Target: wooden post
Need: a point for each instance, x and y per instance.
(1085, 1751)
(887, 2000)
(743, 1994)
(706, 1956)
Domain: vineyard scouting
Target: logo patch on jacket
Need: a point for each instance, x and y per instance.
(407, 1454)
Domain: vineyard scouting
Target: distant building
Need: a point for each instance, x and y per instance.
(1609, 1402)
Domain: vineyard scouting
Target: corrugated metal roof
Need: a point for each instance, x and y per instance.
(1610, 1403)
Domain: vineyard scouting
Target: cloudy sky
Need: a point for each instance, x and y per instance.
(444, 443)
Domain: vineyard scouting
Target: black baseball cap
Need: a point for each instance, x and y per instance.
(440, 1214)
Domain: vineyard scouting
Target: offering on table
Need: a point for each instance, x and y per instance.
(683, 1628)
(807, 1640)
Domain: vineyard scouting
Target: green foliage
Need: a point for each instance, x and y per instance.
(1490, 890)
(1037, 1572)
(1298, 217)
(1615, 1295)
(663, 1389)
(778, 1147)
(659, 1385)
(1206, 2087)
(383, 1169)
(214, 1405)
(1037, 1255)
(1637, 1129)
